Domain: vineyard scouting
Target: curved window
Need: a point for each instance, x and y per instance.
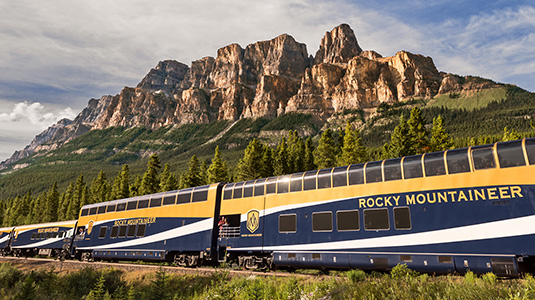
(434, 164)
(101, 209)
(131, 205)
(248, 188)
(121, 206)
(340, 176)
(143, 203)
(483, 157)
(530, 149)
(93, 211)
(296, 182)
(392, 169)
(373, 172)
(227, 191)
(184, 196)
(510, 154)
(84, 212)
(309, 180)
(169, 199)
(282, 184)
(324, 179)
(356, 174)
(156, 200)
(271, 185)
(200, 194)
(238, 190)
(412, 167)
(458, 161)
(259, 187)
(111, 208)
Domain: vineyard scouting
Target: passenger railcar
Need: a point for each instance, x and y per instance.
(50, 239)
(452, 211)
(5, 235)
(174, 226)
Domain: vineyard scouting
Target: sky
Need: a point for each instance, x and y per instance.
(55, 55)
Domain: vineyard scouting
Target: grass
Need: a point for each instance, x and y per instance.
(470, 100)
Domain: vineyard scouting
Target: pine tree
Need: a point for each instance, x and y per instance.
(168, 180)
(296, 152)
(266, 168)
(66, 199)
(100, 190)
(203, 173)
(52, 204)
(281, 166)
(40, 203)
(352, 152)
(121, 184)
(510, 135)
(2, 213)
(250, 165)
(25, 209)
(440, 139)
(150, 183)
(400, 141)
(325, 153)
(308, 161)
(135, 188)
(80, 195)
(27, 291)
(418, 132)
(217, 172)
(99, 291)
(192, 177)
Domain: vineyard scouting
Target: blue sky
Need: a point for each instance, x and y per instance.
(57, 54)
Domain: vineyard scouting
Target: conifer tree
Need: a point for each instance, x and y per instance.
(66, 199)
(217, 172)
(121, 184)
(80, 194)
(203, 172)
(2, 212)
(192, 177)
(150, 183)
(400, 141)
(352, 152)
(266, 168)
(52, 204)
(100, 190)
(250, 165)
(510, 135)
(418, 132)
(281, 166)
(325, 153)
(40, 203)
(296, 152)
(26, 209)
(440, 139)
(308, 162)
(135, 188)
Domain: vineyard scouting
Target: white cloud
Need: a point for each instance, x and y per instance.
(36, 114)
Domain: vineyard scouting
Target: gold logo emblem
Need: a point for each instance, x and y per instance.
(253, 220)
(89, 227)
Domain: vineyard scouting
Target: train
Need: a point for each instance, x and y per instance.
(454, 211)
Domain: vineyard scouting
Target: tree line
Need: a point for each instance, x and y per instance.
(292, 154)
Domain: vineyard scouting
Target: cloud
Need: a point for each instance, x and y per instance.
(36, 114)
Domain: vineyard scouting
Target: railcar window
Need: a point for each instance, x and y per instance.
(392, 169)
(376, 219)
(131, 231)
(530, 149)
(238, 190)
(131, 205)
(49, 235)
(434, 164)
(296, 182)
(457, 161)
(200, 194)
(42, 235)
(340, 176)
(101, 209)
(347, 220)
(322, 221)
(93, 211)
(373, 172)
(259, 187)
(114, 231)
(412, 167)
(356, 174)
(184, 196)
(102, 233)
(309, 180)
(324, 179)
(288, 223)
(122, 231)
(85, 212)
(121, 206)
(141, 230)
(33, 236)
(248, 188)
(144, 203)
(227, 191)
(169, 199)
(402, 218)
(483, 157)
(156, 201)
(271, 185)
(510, 154)
(282, 184)
(111, 208)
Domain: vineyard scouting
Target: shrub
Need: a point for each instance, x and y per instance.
(402, 271)
(356, 275)
(489, 278)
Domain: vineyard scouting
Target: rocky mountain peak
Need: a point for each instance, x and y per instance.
(338, 46)
(164, 77)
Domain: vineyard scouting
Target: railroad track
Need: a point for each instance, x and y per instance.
(67, 266)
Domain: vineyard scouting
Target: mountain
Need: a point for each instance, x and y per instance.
(265, 80)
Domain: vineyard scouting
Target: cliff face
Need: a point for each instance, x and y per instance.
(266, 79)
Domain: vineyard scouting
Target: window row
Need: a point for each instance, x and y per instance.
(122, 231)
(510, 154)
(48, 235)
(348, 220)
(198, 194)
